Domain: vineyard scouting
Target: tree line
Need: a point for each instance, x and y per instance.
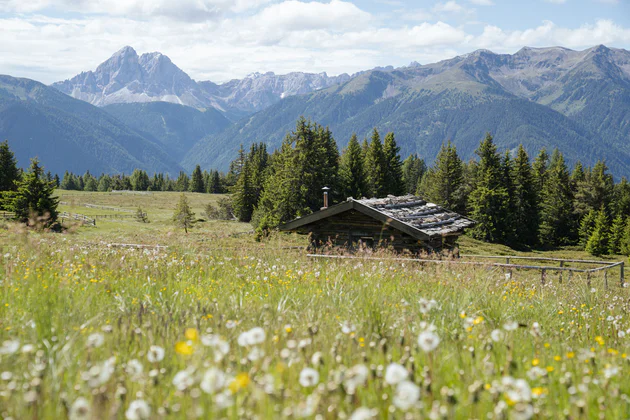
(211, 182)
(514, 200)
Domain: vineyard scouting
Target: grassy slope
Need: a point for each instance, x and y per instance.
(57, 290)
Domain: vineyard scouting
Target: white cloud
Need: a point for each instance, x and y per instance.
(482, 2)
(556, 1)
(449, 7)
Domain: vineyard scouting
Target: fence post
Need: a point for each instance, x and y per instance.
(542, 276)
(588, 278)
(621, 279)
(560, 276)
(606, 279)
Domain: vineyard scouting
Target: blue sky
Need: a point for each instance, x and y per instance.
(51, 40)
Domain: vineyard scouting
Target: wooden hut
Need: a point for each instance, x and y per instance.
(406, 223)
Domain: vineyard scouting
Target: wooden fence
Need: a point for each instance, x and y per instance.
(7, 215)
(88, 221)
(96, 206)
(606, 266)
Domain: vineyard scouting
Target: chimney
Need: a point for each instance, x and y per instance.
(325, 189)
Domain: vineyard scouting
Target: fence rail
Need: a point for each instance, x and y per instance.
(80, 217)
(7, 215)
(607, 265)
(97, 206)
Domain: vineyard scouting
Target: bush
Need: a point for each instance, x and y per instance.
(223, 210)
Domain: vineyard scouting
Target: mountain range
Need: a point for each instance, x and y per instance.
(152, 115)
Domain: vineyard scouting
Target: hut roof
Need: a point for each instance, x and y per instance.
(409, 213)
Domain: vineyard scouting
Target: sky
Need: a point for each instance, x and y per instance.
(219, 40)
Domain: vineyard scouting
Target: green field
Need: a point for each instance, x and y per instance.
(218, 325)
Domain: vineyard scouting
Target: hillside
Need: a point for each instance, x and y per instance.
(68, 134)
(176, 127)
(576, 101)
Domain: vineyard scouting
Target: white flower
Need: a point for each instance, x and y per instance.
(428, 341)
(183, 380)
(100, 374)
(427, 306)
(355, 377)
(309, 377)
(224, 400)
(255, 353)
(406, 395)
(517, 390)
(213, 381)
(522, 412)
(80, 410)
(95, 340)
(10, 347)
(395, 374)
(611, 371)
(138, 410)
(362, 413)
(28, 348)
(347, 328)
(621, 334)
(536, 372)
(134, 369)
(497, 335)
(510, 326)
(221, 347)
(155, 354)
(231, 324)
(252, 337)
(307, 408)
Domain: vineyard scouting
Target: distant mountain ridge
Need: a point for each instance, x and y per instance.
(152, 77)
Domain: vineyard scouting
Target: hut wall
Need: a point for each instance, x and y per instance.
(349, 228)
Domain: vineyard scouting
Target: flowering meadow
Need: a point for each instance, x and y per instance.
(89, 331)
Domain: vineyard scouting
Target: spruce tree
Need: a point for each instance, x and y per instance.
(183, 182)
(352, 171)
(183, 216)
(442, 183)
(621, 198)
(489, 200)
(34, 197)
(375, 167)
(594, 190)
(413, 169)
(393, 166)
(625, 241)
(587, 225)
(616, 234)
(507, 183)
(598, 242)
(525, 200)
(9, 172)
(104, 183)
(140, 180)
(539, 170)
(244, 198)
(556, 210)
(196, 181)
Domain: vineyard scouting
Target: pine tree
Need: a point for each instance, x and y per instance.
(183, 215)
(375, 167)
(393, 166)
(35, 197)
(214, 187)
(489, 200)
(413, 169)
(587, 225)
(598, 242)
(140, 180)
(68, 182)
(104, 183)
(442, 183)
(244, 199)
(557, 225)
(525, 200)
(539, 168)
(625, 241)
(594, 190)
(352, 171)
(616, 234)
(183, 182)
(621, 198)
(9, 173)
(196, 182)
(507, 183)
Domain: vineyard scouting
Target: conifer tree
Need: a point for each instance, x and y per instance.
(214, 186)
(196, 181)
(556, 214)
(139, 180)
(489, 200)
(621, 198)
(183, 216)
(525, 201)
(352, 172)
(244, 198)
(413, 169)
(9, 173)
(598, 242)
(183, 182)
(393, 166)
(442, 183)
(587, 225)
(594, 190)
(625, 241)
(375, 167)
(104, 183)
(616, 234)
(539, 168)
(34, 197)
(68, 182)
(507, 183)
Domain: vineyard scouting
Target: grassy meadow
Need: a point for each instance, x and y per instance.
(216, 325)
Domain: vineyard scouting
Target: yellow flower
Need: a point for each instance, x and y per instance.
(182, 347)
(600, 340)
(191, 334)
(570, 355)
(241, 381)
(550, 369)
(557, 358)
(478, 320)
(535, 362)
